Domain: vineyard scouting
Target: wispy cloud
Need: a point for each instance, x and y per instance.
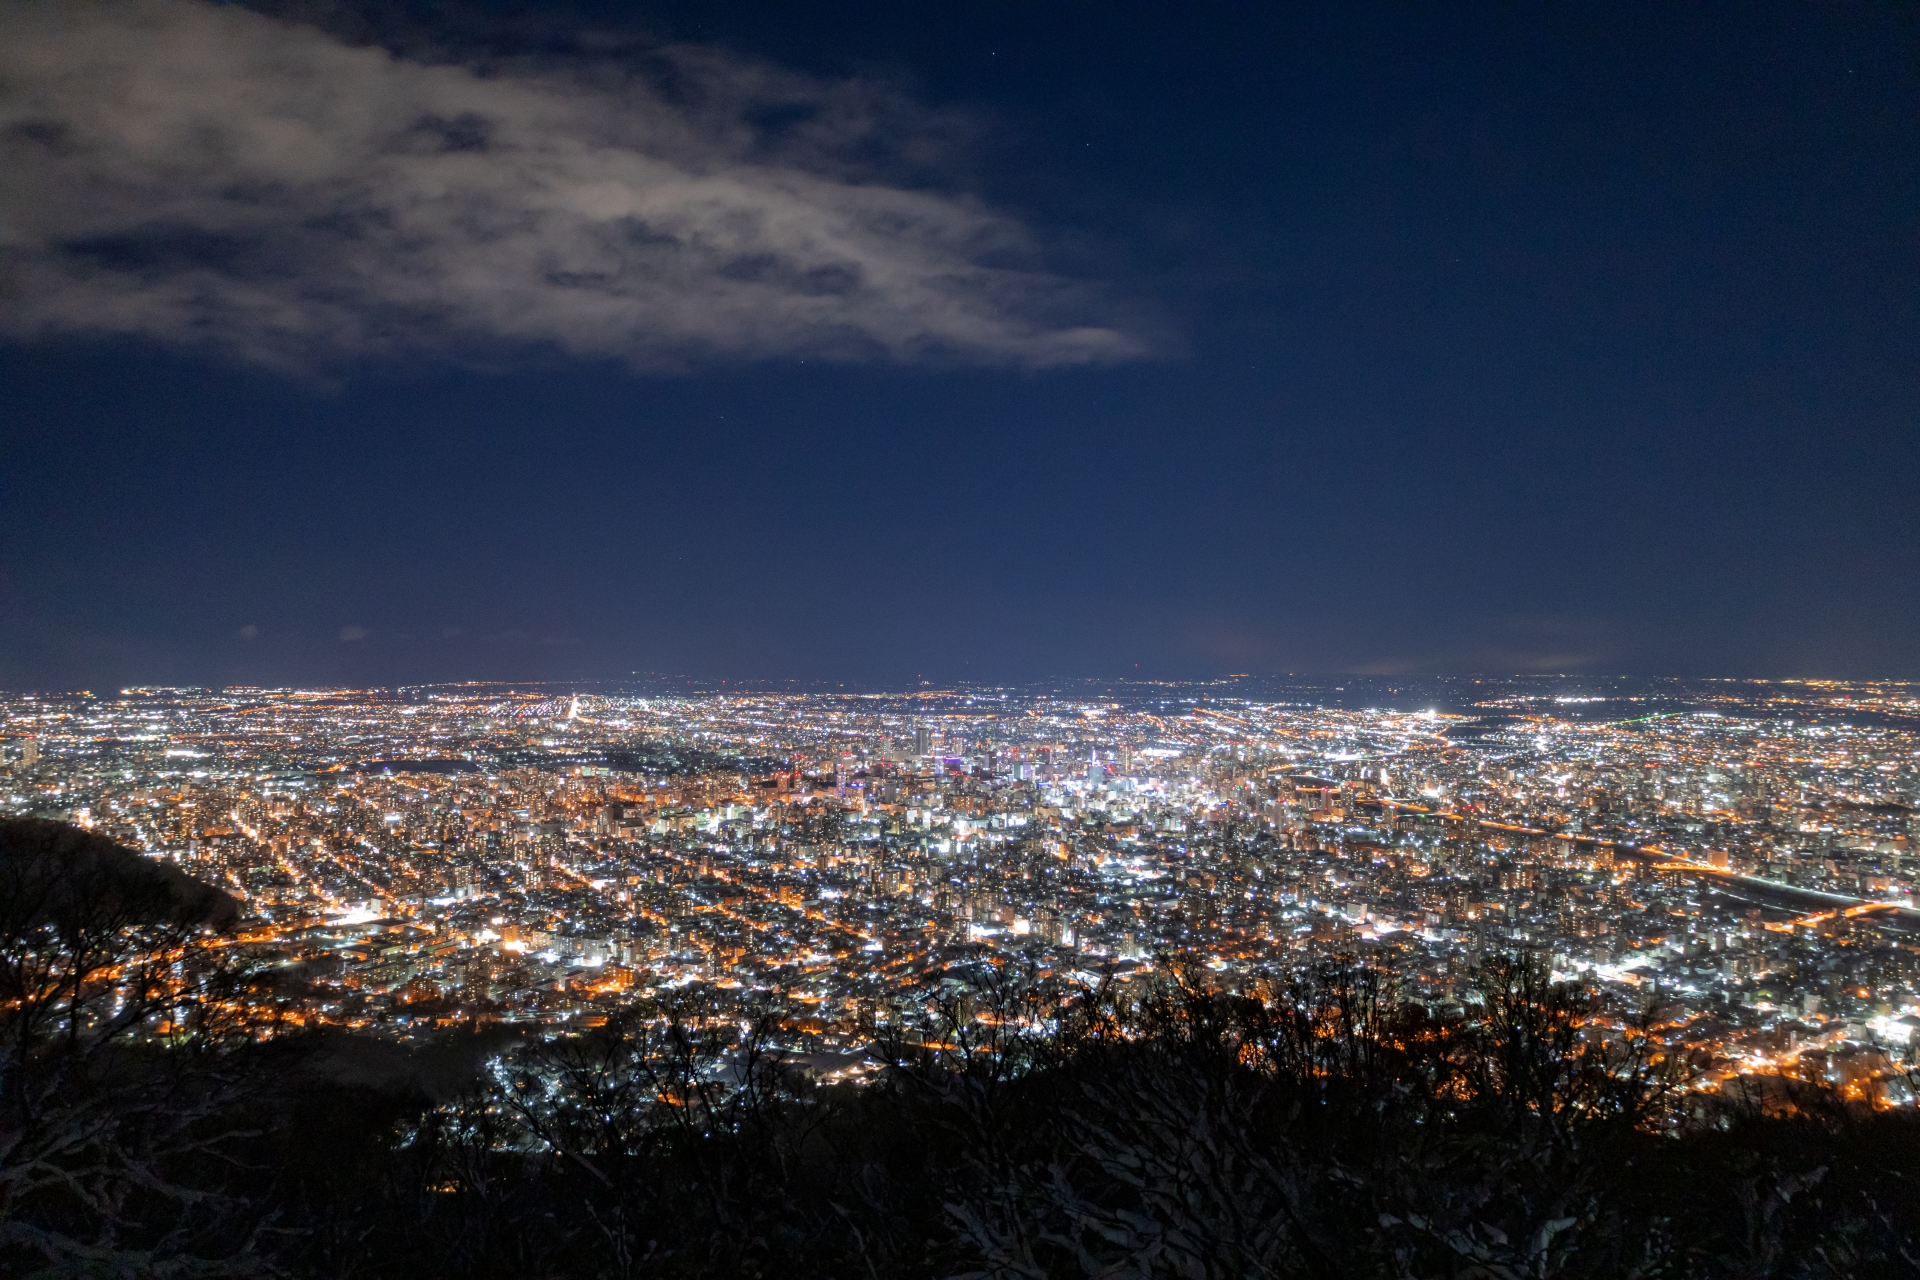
(213, 176)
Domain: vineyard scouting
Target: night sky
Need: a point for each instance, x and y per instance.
(984, 341)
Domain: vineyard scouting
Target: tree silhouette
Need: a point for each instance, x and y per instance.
(114, 1002)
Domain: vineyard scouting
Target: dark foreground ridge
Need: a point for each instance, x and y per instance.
(157, 1118)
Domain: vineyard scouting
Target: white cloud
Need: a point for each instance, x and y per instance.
(211, 176)
(350, 634)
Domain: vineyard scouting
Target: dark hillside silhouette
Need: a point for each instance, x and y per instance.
(58, 874)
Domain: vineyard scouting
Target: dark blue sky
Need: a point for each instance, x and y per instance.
(1069, 337)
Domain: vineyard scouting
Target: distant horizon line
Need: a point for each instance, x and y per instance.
(718, 684)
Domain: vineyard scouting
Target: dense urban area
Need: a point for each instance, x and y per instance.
(1737, 856)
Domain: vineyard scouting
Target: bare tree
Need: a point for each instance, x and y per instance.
(116, 1003)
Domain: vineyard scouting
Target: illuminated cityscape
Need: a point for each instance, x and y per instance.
(1739, 855)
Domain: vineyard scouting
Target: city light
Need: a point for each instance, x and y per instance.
(1739, 857)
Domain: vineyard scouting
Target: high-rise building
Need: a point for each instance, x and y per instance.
(922, 741)
(29, 751)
